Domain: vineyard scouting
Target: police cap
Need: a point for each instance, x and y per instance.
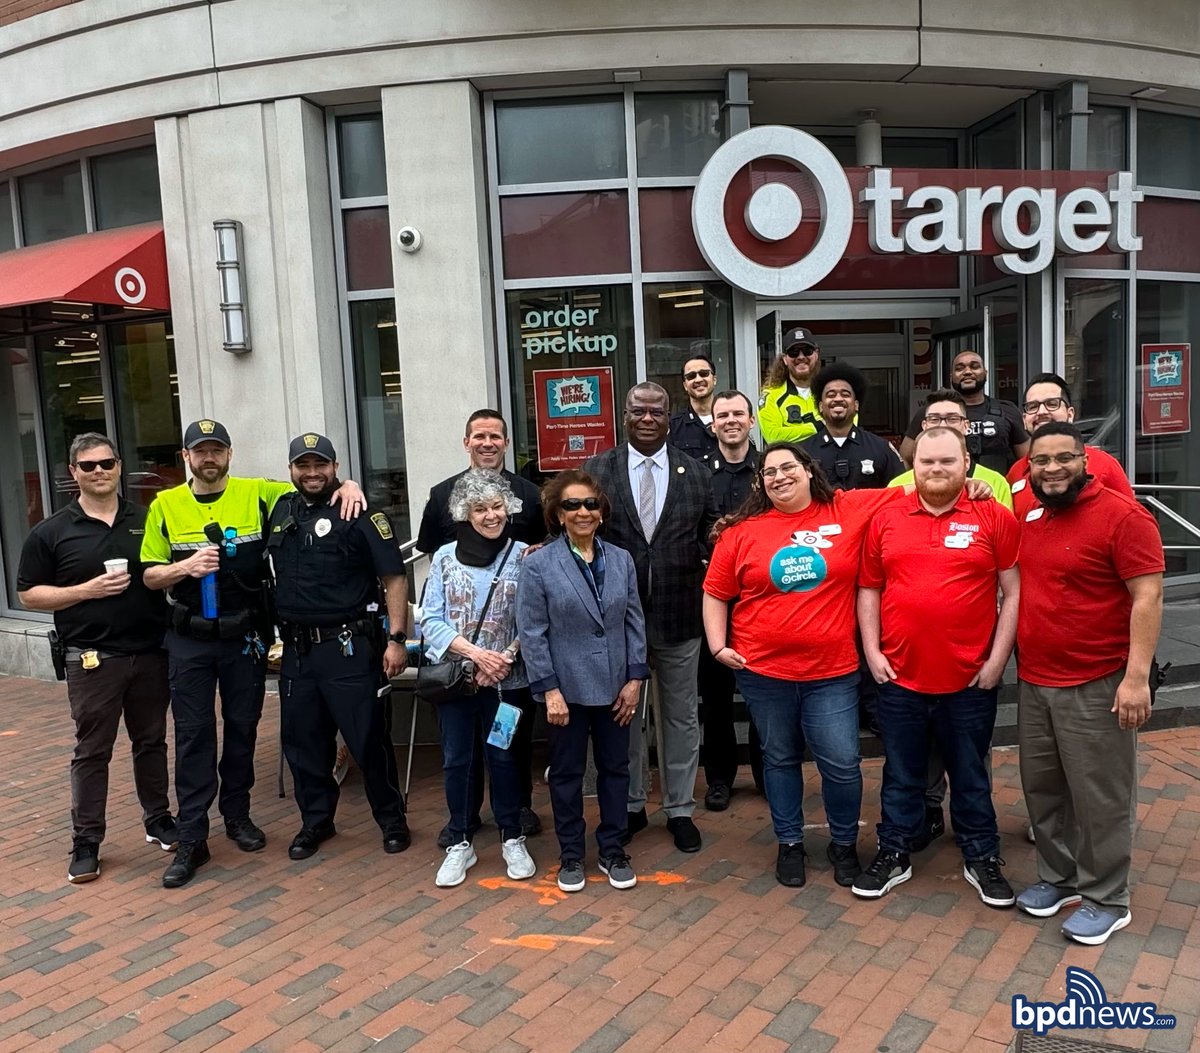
(205, 430)
(311, 442)
(799, 337)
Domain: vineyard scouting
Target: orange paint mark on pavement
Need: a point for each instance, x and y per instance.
(540, 941)
(548, 893)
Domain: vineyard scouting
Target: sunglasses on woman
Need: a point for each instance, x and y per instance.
(574, 504)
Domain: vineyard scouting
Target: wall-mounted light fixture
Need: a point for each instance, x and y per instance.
(868, 140)
(235, 320)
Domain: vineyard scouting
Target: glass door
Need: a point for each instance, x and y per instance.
(968, 331)
(768, 338)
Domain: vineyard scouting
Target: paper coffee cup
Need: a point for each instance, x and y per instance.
(116, 566)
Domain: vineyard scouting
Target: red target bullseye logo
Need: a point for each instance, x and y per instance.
(130, 285)
(773, 212)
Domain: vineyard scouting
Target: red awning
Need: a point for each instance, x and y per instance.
(126, 267)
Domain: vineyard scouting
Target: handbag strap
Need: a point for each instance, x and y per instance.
(491, 592)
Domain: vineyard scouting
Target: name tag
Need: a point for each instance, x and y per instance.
(1034, 513)
(829, 529)
(1019, 485)
(958, 540)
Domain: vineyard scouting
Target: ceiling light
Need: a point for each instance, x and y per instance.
(1149, 93)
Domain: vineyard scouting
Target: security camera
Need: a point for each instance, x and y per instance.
(409, 239)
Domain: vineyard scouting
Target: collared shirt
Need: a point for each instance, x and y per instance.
(861, 461)
(732, 480)
(659, 473)
(593, 573)
(693, 435)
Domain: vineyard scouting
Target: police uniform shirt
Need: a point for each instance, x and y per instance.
(691, 435)
(327, 569)
(70, 548)
(786, 415)
(863, 461)
(995, 428)
(731, 483)
(438, 528)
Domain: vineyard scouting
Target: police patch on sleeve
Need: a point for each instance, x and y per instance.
(762, 399)
(382, 525)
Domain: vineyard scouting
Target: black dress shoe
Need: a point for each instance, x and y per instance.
(717, 798)
(189, 857)
(396, 839)
(247, 836)
(635, 822)
(687, 837)
(306, 843)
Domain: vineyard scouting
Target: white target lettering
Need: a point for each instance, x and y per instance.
(130, 285)
(773, 211)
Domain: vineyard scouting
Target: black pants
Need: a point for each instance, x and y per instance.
(521, 749)
(568, 759)
(133, 687)
(716, 685)
(324, 692)
(197, 669)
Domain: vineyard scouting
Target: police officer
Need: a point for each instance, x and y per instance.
(691, 429)
(327, 574)
(179, 549)
(787, 408)
(853, 458)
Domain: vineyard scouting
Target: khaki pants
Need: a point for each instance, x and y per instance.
(1079, 775)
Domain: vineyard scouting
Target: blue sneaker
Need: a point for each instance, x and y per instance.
(1091, 925)
(1044, 900)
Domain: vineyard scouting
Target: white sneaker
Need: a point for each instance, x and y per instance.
(520, 863)
(453, 871)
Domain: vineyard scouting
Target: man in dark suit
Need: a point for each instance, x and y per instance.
(662, 511)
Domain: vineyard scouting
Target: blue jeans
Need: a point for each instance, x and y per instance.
(466, 723)
(786, 713)
(962, 725)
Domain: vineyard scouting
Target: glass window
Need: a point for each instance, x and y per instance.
(999, 145)
(548, 235)
(1168, 150)
(682, 320)
(566, 329)
(1003, 370)
(1169, 313)
(72, 401)
(8, 236)
(1106, 139)
(20, 477)
(368, 248)
(380, 409)
(676, 134)
(125, 188)
(562, 140)
(898, 151)
(361, 159)
(52, 204)
(146, 397)
(1096, 360)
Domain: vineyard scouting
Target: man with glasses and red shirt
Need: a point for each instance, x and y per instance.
(787, 407)
(691, 429)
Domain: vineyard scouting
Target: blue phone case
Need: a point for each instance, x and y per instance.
(504, 727)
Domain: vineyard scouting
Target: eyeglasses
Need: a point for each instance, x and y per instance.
(1041, 460)
(107, 465)
(703, 374)
(796, 352)
(656, 412)
(944, 418)
(574, 504)
(1051, 404)
(791, 468)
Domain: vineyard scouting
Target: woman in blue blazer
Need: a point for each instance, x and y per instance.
(583, 638)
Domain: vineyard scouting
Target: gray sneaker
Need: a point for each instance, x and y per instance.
(571, 877)
(1044, 900)
(1091, 925)
(620, 872)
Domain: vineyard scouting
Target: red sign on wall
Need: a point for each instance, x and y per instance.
(1166, 388)
(575, 421)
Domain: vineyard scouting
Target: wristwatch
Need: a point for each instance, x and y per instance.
(400, 638)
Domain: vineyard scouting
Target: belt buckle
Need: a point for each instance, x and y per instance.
(313, 634)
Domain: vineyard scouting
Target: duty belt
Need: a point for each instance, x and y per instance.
(227, 627)
(304, 636)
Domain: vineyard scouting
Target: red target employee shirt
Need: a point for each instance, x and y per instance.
(1103, 466)
(791, 579)
(1073, 625)
(938, 576)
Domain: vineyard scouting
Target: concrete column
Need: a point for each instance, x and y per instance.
(433, 137)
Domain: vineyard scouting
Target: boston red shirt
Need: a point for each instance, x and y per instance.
(938, 576)
(791, 577)
(1102, 466)
(1073, 625)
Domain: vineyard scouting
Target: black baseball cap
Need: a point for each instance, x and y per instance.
(205, 430)
(799, 335)
(311, 442)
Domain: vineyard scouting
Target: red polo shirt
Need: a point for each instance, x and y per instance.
(938, 576)
(792, 577)
(1074, 615)
(1102, 466)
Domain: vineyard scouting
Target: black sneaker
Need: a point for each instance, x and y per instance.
(985, 875)
(531, 824)
(846, 866)
(635, 822)
(189, 857)
(446, 838)
(85, 862)
(243, 833)
(789, 867)
(935, 826)
(887, 870)
(162, 832)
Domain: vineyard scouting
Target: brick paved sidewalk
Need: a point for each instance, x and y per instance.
(355, 950)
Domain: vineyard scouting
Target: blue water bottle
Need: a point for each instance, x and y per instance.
(208, 584)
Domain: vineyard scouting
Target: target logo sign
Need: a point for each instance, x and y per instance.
(130, 285)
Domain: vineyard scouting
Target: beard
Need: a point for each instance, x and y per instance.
(1064, 499)
(321, 495)
(941, 490)
(967, 387)
(212, 473)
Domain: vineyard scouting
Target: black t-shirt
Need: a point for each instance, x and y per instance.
(437, 528)
(327, 569)
(863, 461)
(996, 427)
(731, 483)
(70, 548)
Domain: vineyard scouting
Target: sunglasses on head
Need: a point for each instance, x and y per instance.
(574, 504)
(796, 352)
(107, 464)
(703, 374)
